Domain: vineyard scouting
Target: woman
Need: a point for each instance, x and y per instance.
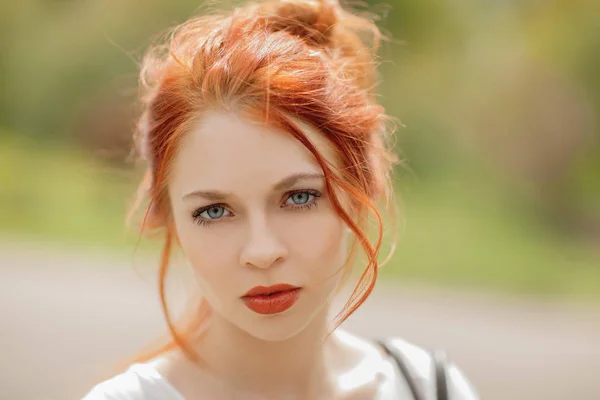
(266, 155)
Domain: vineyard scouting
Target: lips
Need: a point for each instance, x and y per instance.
(272, 299)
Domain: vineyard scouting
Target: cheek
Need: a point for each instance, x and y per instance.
(318, 243)
(206, 251)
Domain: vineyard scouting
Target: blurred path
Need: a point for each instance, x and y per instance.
(66, 316)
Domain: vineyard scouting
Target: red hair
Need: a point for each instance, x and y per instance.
(277, 62)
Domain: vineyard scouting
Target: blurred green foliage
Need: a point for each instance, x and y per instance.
(500, 101)
(62, 194)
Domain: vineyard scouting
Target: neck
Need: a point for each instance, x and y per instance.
(299, 365)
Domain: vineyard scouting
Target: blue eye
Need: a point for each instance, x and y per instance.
(209, 214)
(297, 200)
(302, 198)
(214, 212)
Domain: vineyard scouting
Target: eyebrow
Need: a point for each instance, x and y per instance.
(216, 195)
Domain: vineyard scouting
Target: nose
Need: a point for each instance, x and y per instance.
(263, 248)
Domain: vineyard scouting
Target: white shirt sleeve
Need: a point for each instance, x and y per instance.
(421, 363)
(459, 387)
(139, 382)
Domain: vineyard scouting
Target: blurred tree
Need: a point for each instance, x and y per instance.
(516, 80)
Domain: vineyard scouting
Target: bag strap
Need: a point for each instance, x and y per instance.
(407, 373)
(441, 379)
(439, 362)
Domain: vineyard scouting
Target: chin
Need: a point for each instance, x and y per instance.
(278, 327)
(275, 328)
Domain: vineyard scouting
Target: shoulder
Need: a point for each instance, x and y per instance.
(139, 382)
(421, 364)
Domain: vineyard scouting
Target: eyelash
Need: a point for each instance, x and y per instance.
(298, 207)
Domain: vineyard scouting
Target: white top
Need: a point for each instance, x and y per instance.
(144, 382)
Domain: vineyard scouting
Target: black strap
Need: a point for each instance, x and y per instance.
(439, 362)
(441, 383)
(406, 372)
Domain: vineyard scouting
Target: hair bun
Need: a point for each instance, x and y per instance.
(310, 19)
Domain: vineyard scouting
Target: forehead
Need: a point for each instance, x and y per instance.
(224, 148)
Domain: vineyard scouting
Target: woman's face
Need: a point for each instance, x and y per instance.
(251, 209)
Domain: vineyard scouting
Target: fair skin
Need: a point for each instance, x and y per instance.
(250, 208)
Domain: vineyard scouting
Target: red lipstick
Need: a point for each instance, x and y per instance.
(271, 300)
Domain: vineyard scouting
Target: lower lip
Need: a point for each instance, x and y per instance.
(272, 304)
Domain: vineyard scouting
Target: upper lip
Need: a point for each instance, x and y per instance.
(264, 290)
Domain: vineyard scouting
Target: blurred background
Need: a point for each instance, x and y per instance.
(498, 258)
